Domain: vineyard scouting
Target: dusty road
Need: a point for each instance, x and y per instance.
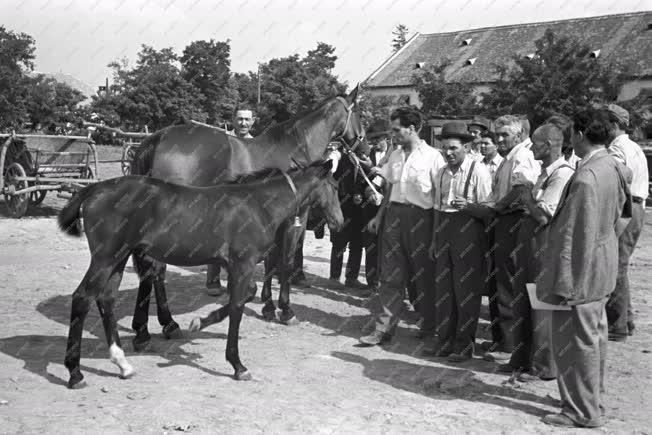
(308, 378)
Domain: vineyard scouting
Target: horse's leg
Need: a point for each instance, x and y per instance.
(291, 238)
(215, 316)
(105, 304)
(269, 309)
(240, 276)
(171, 328)
(94, 281)
(141, 313)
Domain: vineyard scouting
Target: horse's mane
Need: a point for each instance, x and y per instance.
(279, 130)
(268, 174)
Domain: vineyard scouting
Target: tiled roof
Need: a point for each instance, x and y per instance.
(624, 37)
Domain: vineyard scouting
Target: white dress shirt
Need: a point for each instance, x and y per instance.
(631, 154)
(413, 178)
(450, 185)
(518, 168)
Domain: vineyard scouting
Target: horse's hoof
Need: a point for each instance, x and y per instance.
(270, 316)
(172, 330)
(243, 376)
(127, 371)
(288, 318)
(195, 325)
(76, 381)
(140, 345)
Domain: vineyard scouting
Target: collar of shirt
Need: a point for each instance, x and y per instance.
(495, 161)
(587, 157)
(516, 149)
(449, 184)
(621, 137)
(554, 165)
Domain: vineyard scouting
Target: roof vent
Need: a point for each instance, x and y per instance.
(419, 65)
(467, 41)
(530, 56)
(595, 53)
(649, 26)
(471, 61)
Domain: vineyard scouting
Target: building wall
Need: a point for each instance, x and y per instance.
(632, 88)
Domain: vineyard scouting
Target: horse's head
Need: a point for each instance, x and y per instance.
(325, 196)
(350, 131)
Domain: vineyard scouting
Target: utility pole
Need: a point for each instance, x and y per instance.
(258, 105)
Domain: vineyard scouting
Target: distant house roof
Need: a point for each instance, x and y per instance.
(474, 53)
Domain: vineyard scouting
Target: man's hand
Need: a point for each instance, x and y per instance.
(459, 203)
(372, 226)
(432, 250)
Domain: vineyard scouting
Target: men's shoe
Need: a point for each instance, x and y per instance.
(354, 283)
(433, 348)
(617, 336)
(375, 338)
(490, 346)
(496, 356)
(459, 357)
(509, 369)
(630, 327)
(559, 420)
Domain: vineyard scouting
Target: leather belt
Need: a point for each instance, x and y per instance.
(402, 204)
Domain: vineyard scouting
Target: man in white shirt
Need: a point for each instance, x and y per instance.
(243, 120)
(405, 237)
(458, 246)
(516, 175)
(628, 152)
(490, 157)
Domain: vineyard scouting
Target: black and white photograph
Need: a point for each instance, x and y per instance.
(328, 217)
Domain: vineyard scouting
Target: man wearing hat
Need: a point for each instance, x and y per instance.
(628, 152)
(458, 247)
(477, 126)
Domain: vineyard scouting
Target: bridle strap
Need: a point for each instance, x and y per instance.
(294, 191)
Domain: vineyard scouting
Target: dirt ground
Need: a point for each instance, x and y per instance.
(308, 378)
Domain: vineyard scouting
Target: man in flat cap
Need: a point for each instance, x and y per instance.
(628, 152)
(458, 247)
(477, 126)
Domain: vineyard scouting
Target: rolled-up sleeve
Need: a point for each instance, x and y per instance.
(525, 171)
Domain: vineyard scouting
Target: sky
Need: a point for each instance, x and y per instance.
(80, 37)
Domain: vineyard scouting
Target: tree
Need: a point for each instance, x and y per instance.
(207, 66)
(153, 93)
(400, 37)
(561, 77)
(51, 102)
(441, 97)
(16, 60)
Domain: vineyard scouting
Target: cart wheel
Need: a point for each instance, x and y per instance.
(87, 173)
(35, 198)
(16, 204)
(127, 157)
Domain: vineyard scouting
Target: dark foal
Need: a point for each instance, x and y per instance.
(234, 225)
(203, 156)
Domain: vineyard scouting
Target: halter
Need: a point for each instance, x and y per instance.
(297, 221)
(340, 137)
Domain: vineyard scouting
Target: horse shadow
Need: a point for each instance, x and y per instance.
(446, 383)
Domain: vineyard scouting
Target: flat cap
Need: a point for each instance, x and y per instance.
(619, 113)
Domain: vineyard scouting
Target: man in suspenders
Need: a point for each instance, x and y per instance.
(458, 247)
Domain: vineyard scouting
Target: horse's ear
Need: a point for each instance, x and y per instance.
(353, 96)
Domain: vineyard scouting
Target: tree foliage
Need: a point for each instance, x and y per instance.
(400, 37)
(439, 96)
(561, 77)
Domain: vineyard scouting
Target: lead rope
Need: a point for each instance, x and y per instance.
(297, 220)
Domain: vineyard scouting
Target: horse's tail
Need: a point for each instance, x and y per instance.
(143, 160)
(69, 217)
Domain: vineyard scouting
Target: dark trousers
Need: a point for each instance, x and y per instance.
(370, 242)
(514, 310)
(490, 283)
(339, 243)
(579, 343)
(459, 280)
(405, 237)
(619, 307)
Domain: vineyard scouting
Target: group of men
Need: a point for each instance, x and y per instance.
(493, 212)
(496, 212)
